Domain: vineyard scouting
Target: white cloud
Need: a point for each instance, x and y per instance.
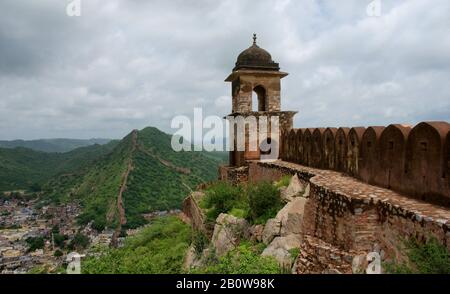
(127, 64)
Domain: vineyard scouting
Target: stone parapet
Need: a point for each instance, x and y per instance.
(353, 216)
(413, 161)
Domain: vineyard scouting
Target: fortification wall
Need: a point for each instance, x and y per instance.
(345, 217)
(414, 161)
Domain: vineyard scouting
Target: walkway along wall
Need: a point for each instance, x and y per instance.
(344, 217)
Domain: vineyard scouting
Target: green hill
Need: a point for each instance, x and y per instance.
(140, 175)
(24, 169)
(53, 145)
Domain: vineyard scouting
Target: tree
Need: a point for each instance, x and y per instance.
(35, 243)
(79, 241)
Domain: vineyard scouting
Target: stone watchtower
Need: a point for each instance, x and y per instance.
(256, 77)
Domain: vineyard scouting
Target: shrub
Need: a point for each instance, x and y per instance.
(264, 201)
(256, 202)
(245, 259)
(283, 182)
(58, 253)
(39, 270)
(220, 198)
(79, 241)
(35, 243)
(35, 187)
(157, 249)
(200, 241)
(239, 212)
(430, 257)
(55, 229)
(59, 240)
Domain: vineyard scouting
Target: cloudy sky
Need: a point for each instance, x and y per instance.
(126, 64)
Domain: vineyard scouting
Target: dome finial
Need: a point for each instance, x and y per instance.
(254, 39)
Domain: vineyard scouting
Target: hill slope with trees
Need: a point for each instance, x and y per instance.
(141, 174)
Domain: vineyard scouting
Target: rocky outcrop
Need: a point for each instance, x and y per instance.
(271, 230)
(228, 232)
(288, 221)
(284, 232)
(256, 233)
(193, 259)
(294, 189)
(280, 248)
(291, 217)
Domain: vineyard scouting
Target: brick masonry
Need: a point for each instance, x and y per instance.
(413, 161)
(345, 217)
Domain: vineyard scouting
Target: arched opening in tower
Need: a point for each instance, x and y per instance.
(259, 99)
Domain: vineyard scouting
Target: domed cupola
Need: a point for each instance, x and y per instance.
(255, 58)
(256, 96)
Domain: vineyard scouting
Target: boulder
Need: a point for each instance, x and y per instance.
(289, 220)
(256, 233)
(279, 249)
(228, 232)
(291, 217)
(271, 230)
(190, 259)
(294, 189)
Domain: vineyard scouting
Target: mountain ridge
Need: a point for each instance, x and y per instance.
(140, 175)
(54, 145)
(25, 169)
(116, 183)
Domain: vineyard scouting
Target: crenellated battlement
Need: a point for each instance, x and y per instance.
(414, 161)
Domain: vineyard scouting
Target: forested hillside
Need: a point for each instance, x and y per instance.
(140, 175)
(26, 169)
(52, 145)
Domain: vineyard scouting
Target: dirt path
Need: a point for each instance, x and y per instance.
(123, 186)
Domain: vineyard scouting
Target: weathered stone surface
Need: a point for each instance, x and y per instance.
(279, 249)
(228, 232)
(193, 260)
(256, 233)
(359, 264)
(272, 229)
(291, 216)
(193, 211)
(307, 190)
(294, 189)
(317, 256)
(386, 218)
(190, 260)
